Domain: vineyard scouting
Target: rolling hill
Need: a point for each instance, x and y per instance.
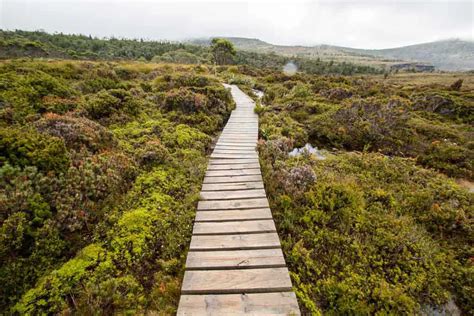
(450, 55)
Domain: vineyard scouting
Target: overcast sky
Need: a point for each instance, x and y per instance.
(362, 24)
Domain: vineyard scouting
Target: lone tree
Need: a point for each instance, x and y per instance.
(223, 51)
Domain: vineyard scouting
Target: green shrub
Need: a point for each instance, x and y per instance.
(27, 92)
(26, 147)
(77, 132)
(185, 100)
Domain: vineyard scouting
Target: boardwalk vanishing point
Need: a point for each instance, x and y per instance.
(235, 265)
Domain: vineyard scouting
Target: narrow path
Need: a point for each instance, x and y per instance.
(235, 265)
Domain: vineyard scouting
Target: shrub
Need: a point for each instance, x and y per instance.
(185, 100)
(77, 132)
(115, 102)
(33, 91)
(26, 147)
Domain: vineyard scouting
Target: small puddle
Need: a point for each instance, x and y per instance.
(309, 149)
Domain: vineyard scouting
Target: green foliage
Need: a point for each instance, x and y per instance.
(223, 51)
(77, 132)
(27, 147)
(28, 91)
(116, 102)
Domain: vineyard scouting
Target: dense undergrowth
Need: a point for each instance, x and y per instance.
(379, 226)
(101, 165)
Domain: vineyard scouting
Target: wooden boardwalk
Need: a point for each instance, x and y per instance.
(235, 265)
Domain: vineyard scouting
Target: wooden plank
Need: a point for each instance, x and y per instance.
(232, 179)
(246, 123)
(236, 281)
(242, 125)
(257, 304)
(234, 172)
(217, 161)
(232, 186)
(238, 138)
(235, 135)
(234, 166)
(232, 147)
(235, 259)
(234, 151)
(232, 204)
(235, 242)
(236, 143)
(239, 133)
(233, 215)
(235, 194)
(234, 156)
(235, 227)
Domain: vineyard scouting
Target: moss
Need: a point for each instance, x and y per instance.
(52, 291)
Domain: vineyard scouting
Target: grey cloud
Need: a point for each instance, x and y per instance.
(367, 24)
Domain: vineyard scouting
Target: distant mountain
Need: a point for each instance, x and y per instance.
(444, 55)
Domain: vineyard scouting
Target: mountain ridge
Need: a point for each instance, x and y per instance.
(449, 54)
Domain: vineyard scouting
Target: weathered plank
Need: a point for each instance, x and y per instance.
(238, 134)
(235, 133)
(237, 144)
(234, 194)
(232, 204)
(234, 151)
(234, 172)
(237, 139)
(234, 166)
(233, 215)
(217, 161)
(246, 127)
(236, 281)
(232, 186)
(257, 304)
(231, 179)
(234, 227)
(235, 242)
(235, 259)
(235, 156)
(231, 147)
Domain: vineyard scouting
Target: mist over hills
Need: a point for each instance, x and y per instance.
(450, 55)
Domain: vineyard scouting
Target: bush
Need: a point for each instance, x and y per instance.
(112, 103)
(28, 92)
(77, 132)
(26, 147)
(185, 100)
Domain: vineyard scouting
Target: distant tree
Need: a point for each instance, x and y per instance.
(223, 51)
